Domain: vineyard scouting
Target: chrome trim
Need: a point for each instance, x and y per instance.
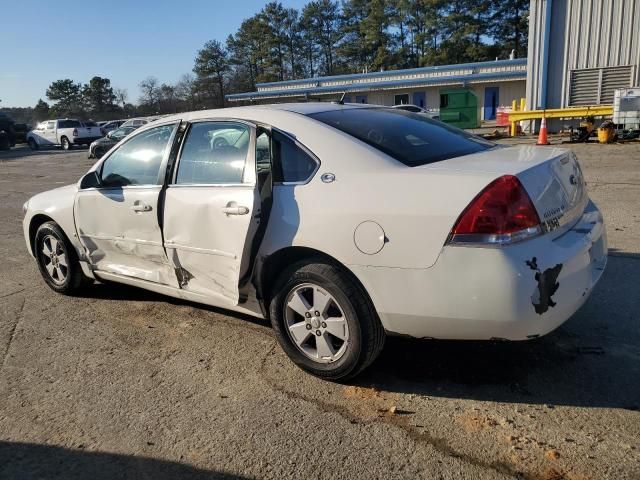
(493, 240)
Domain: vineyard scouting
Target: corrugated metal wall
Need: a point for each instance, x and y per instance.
(583, 34)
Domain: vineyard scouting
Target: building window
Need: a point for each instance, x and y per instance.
(596, 86)
(402, 99)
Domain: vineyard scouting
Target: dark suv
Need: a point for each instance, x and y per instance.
(7, 132)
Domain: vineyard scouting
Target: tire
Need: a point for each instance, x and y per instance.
(52, 251)
(347, 311)
(66, 144)
(33, 145)
(98, 152)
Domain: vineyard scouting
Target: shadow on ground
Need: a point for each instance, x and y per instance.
(590, 361)
(26, 461)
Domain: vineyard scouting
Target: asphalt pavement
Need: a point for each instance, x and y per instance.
(123, 383)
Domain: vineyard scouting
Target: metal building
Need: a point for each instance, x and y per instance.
(494, 84)
(580, 51)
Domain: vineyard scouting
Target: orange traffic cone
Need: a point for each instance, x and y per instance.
(542, 136)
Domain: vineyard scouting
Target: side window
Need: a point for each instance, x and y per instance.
(263, 151)
(214, 153)
(68, 124)
(290, 162)
(50, 125)
(137, 162)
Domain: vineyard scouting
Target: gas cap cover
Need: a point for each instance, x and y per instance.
(369, 237)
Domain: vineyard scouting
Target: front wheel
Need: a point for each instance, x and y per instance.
(324, 321)
(57, 260)
(66, 144)
(33, 145)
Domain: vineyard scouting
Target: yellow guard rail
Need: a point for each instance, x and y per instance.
(569, 112)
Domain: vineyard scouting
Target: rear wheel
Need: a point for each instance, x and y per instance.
(324, 321)
(57, 260)
(66, 144)
(33, 145)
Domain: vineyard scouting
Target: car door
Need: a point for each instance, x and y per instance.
(213, 208)
(117, 221)
(49, 133)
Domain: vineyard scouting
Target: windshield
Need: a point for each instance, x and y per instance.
(410, 138)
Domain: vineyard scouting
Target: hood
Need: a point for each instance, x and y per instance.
(53, 199)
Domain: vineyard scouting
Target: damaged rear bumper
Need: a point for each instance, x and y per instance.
(515, 293)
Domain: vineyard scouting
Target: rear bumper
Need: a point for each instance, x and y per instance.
(514, 293)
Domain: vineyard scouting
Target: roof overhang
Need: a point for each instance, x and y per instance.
(452, 80)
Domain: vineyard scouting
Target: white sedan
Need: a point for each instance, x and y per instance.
(339, 223)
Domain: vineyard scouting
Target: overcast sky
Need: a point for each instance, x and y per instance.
(126, 41)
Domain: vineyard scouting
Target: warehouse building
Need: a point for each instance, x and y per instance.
(493, 83)
(581, 51)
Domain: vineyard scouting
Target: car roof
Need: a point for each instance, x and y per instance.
(247, 111)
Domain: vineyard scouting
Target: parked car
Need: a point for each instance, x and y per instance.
(433, 114)
(138, 122)
(339, 223)
(7, 132)
(64, 132)
(106, 127)
(98, 148)
(21, 130)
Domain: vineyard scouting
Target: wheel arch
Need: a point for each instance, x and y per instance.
(35, 222)
(269, 267)
(39, 219)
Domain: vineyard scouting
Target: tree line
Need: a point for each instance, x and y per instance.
(323, 38)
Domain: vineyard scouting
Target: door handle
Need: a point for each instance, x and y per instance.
(138, 206)
(232, 208)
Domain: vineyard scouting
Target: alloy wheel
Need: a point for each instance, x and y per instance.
(54, 259)
(316, 323)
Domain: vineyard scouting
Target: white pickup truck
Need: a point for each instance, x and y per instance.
(64, 132)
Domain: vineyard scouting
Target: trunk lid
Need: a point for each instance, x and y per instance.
(551, 176)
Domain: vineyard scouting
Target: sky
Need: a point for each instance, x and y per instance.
(125, 41)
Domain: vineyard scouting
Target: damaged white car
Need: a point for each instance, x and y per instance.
(339, 223)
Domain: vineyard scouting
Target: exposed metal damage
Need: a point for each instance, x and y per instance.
(547, 286)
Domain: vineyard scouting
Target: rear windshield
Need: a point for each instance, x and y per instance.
(68, 124)
(89, 124)
(410, 138)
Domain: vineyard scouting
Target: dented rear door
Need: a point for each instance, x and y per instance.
(212, 210)
(118, 223)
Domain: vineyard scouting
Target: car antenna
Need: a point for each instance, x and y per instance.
(341, 101)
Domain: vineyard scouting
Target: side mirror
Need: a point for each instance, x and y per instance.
(91, 180)
(110, 134)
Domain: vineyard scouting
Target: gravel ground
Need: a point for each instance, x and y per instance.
(122, 383)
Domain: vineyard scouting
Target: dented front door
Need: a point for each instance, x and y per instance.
(118, 222)
(211, 209)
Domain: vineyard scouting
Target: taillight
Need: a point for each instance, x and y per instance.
(501, 214)
(75, 132)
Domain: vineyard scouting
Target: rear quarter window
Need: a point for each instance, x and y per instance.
(68, 124)
(410, 138)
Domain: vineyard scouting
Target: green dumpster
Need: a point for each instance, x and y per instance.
(459, 107)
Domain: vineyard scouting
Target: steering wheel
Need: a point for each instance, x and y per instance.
(220, 142)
